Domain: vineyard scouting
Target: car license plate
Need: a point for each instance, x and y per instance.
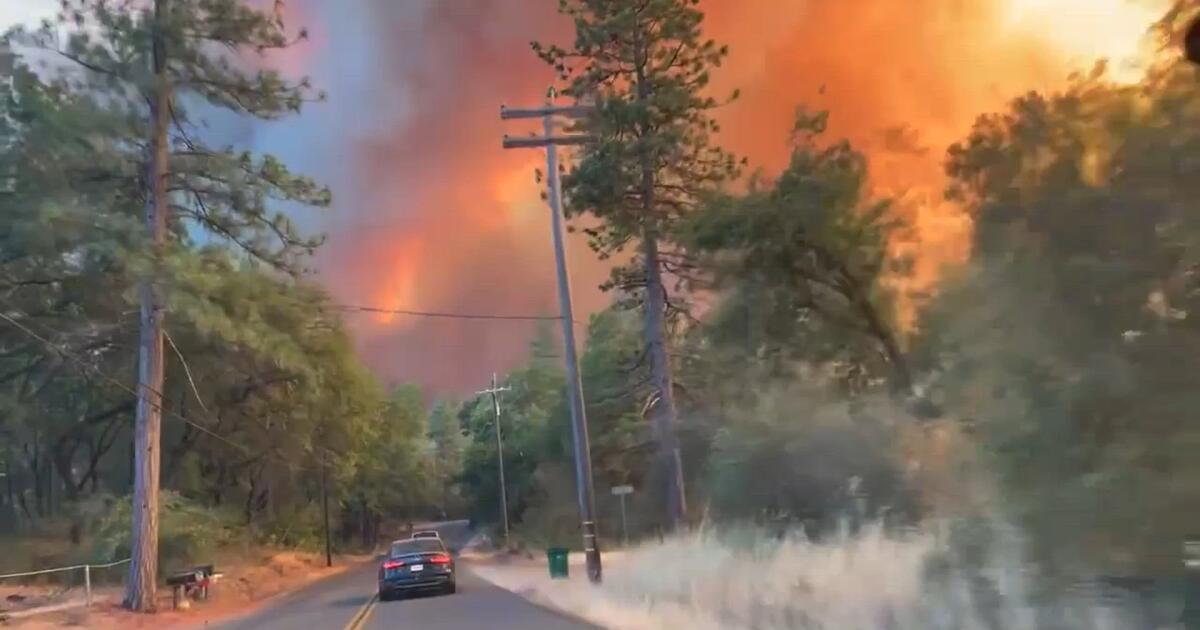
(418, 567)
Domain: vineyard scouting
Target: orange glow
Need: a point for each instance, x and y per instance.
(439, 217)
(398, 282)
(1086, 30)
(516, 192)
(903, 79)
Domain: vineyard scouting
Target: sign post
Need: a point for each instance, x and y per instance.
(621, 491)
(1191, 572)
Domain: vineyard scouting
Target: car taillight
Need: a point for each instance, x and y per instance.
(393, 564)
(440, 559)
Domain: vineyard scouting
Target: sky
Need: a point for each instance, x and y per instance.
(431, 214)
(14, 12)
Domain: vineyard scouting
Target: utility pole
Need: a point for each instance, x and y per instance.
(583, 456)
(141, 588)
(325, 508)
(495, 391)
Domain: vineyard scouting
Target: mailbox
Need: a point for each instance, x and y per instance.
(194, 582)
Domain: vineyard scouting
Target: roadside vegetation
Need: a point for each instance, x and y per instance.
(266, 408)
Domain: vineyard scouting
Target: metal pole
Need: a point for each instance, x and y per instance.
(1190, 615)
(500, 459)
(583, 462)
(325, 509)
(624, 526)
(87, 583)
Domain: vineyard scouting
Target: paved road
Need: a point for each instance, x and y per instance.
(333, 604)
(477, 604)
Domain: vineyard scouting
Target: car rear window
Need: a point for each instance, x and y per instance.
(422, 545)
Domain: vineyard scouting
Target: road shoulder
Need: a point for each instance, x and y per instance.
(529, 579)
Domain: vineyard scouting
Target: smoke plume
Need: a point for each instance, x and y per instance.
(433, 215)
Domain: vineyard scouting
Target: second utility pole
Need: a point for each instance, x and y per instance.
(583, 451)
(495, 392)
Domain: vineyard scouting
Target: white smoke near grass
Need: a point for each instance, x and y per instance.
(872, 580)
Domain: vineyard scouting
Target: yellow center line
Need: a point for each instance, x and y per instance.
(360, 617)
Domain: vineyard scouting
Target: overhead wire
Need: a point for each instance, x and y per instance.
(125, 388)
(446, 315)
(205, 430)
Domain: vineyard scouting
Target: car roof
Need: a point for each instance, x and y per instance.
(410, 539)
(415, 542)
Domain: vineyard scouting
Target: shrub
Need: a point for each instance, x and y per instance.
(795, 457)
(189, 533)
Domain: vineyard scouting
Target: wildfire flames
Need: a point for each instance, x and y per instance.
(442, 219)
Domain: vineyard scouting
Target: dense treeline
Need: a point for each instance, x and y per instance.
(265, 402)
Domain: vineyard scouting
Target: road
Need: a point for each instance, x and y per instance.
(334, 603)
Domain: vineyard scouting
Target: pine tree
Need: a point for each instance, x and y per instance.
(148, 64)
(645, 65)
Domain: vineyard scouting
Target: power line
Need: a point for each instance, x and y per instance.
(112, 381)
(447, 315)
(125, 388)
(240, 447)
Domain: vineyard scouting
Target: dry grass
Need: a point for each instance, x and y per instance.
(873, 581)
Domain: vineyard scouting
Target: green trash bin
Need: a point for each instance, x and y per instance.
(556, 557)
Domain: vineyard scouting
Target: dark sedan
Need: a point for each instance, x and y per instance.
(416, 564)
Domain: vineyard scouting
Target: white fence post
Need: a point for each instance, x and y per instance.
(87, 583)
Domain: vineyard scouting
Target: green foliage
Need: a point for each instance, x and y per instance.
(800, 456)
(800, 264)
(1067, 342)
(229, 195)
(645, 67)
(614, 368)
(394, 477)
(449, 444)
(263, 381)
(533, 420)
(189, 534)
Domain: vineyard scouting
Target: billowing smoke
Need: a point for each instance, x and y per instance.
(904, 79)
(433, 215)
(440, 218)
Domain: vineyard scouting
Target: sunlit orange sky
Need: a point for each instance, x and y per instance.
(432, 215)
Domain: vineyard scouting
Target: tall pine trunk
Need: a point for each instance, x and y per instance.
(141, 589)
(663, 414)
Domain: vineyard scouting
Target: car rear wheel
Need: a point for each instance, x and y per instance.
(451, 589)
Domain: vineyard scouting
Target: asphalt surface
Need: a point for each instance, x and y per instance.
(335, 604)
